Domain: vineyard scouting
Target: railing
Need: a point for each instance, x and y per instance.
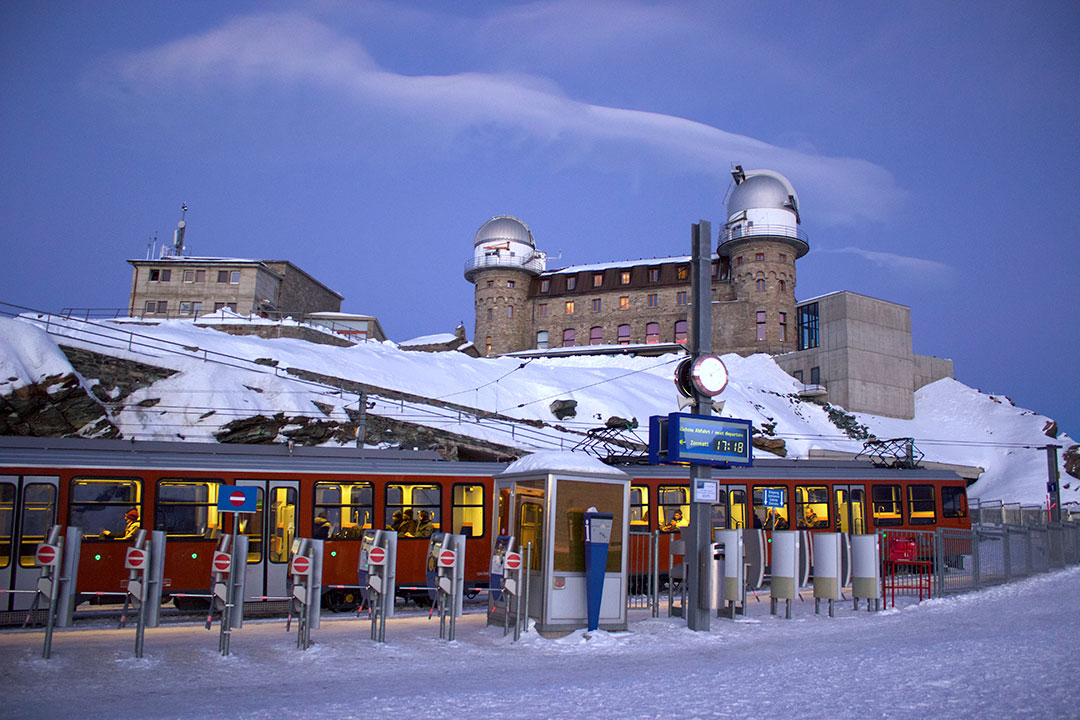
(998, 512)
(743, 230)
(533, 264)
(643, 571)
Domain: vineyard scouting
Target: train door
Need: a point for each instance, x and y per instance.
(27, 511)
(730, 512)
(530, 528)
(850, 508)
(270, 532)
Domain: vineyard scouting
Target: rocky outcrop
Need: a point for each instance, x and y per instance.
(1072, 461)
(57, 406)
(116, 378)
(776, 446)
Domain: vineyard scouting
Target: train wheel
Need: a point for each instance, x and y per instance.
(340, 601)
(191, 604)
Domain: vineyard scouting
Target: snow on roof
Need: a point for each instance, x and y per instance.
(620, 264)
(562, 462)
(436, 339)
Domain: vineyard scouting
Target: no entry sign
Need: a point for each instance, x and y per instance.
(301, 565)
(222, 561)
(377, 556)
(47, 554)
(513, 561)
(447, 558)
(135, 559)
(239, 498)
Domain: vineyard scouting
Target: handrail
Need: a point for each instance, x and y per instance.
(742, 230)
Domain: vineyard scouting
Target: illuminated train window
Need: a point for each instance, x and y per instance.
(674, 507)
(412, 500)
(886, 502)
(349, 508)
(467, 514)
(921, 504)
(769, 518)
(639, 505)
(98, 505)
(188, 508)
(811, 507)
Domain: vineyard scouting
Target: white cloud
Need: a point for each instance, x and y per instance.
(290, 49)
(926, 269)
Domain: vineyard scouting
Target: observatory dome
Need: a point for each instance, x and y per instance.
(762, 190)
(503, 228)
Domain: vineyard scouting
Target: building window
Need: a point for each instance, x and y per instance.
(624, 334)
(541, 310)
(224, 306)
(654, 275)
(652, 333)
(808, 326)
(545, 286)
(783, 285)
(680, 297)
(760, 325)
(683, 273)
(571, 282)
(163, 307)
(783, 257)
(185, 308)
(509, 283)
(783, 327)
(509, 311)
(189, 276)
(200, 276)
(624, 277)
(568, 337)
(760, 284)
(542, 339)
(223, 276)
(596, 305)
(653, 300)
(569, 307)
(598, 279)
(491, 314)
(624, 302)
(759, 257)
(196, 307)
(715, 269)
(738, 260)
(151, 306)
(815, 375)
(490, 283)
(155, 276)
(799, 375)
(234, 277)
(680, 331)
(596, 336)
(487, 346)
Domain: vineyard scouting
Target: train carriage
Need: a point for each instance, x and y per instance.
(174, 487)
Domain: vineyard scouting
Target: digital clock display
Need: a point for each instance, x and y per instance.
(700, 439)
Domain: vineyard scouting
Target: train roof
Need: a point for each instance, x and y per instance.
(138, 455)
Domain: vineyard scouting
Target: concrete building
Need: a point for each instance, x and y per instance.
(354, 326)
(865, 362)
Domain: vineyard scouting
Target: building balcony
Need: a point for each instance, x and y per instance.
(794, 236)
(534, 265)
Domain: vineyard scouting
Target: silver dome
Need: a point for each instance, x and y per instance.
(504, 227)
(763, 189)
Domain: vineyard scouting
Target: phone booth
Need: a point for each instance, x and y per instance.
(542, 501)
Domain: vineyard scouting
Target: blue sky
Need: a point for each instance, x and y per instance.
(935, 148)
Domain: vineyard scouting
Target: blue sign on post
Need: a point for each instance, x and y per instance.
(700, 440)
(773, 497)
(597, 539)
(238, 499)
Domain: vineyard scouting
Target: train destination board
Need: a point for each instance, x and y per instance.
(700, 439)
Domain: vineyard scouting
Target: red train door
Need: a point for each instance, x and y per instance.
(27, 511)
(270, 532)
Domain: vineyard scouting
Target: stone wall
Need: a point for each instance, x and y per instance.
(299, 332)
(300, 293)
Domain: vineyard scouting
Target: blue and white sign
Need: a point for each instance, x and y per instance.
(773, 497)
(700, 440)
(238, 499)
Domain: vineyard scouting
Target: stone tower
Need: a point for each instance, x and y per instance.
(504, 262)
(760, 242)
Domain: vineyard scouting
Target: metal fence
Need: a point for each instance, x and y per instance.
(644, 575)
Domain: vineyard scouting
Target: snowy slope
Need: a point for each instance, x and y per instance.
(218, 382)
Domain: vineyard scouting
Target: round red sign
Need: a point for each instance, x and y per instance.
(377, 556)
(301, 565)
(46, 554)
(447, 558)
(135, 559)
(513, 561)
(236, 498)
(222, 561)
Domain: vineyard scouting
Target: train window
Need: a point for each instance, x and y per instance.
(467, 516)
(770, 518)
(921, 504)
(737, 509)
(187, 508)
(811, 507)
(953, 502)
(639, 506)
(99, 504)
(38, 515)
(886, 502)
(412, 501)
(282, 524)
(674, 507)
(349, 508)
(7, 518)
(720, 512)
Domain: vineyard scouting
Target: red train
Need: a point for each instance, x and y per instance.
(174, 487)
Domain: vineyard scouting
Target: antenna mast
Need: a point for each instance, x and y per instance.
(178, 235)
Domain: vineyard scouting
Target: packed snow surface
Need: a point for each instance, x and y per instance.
(1006, 652)
(223, 377)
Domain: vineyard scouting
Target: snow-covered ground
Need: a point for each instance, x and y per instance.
(1006, 652)
(953, 423)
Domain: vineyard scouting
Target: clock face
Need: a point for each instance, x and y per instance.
(709, 375)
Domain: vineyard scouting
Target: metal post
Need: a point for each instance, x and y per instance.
(226, 614)
(1053, 487)
(975, 559)
(654, 549)
(528, 573)
(361, 420)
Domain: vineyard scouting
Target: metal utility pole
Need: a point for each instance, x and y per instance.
(696, 535)
(1053, 485)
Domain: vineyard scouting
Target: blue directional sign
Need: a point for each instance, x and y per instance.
(238, 498)
(700, 440)
(773, 497)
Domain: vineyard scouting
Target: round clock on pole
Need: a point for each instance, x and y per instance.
(705, 374)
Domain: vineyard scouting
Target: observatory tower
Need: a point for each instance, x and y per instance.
(505, 261)
(761, 240)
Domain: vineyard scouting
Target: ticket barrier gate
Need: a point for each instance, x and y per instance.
(305, 597)
(866, 570)
(446, 572)
(227, 587)
(676, 577)
(732, 571)
(509, 584)
(145, 562)
(790, 568)
(828, 569)
(58, 558)
(754, 557)
(378, 577)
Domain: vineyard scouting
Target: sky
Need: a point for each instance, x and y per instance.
(931, 146)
